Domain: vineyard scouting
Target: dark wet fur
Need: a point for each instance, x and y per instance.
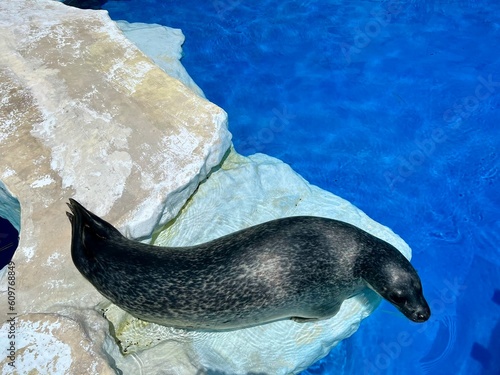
(299, 267)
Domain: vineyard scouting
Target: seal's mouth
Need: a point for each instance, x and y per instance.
(421, 317)
(417, 314)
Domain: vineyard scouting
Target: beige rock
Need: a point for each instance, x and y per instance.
(84, 114)
(57, 344)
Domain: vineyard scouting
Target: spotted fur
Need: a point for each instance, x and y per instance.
(300, 267)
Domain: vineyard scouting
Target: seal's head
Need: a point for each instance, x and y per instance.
(402, 288)
(392, 276)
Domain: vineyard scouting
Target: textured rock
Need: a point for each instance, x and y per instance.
(85, 114)
(56, 344)
(163, 45)
(244, 192)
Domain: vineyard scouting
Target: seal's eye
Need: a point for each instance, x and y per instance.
(396, 298)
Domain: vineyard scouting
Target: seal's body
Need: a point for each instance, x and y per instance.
(301, 268)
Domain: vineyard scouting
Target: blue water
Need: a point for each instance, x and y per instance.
(392, 105)
(9, 239)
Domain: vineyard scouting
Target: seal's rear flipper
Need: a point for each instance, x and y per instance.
(87, 222)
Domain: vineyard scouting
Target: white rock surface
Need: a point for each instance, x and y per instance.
(244, 192)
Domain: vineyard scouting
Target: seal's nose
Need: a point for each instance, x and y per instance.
(421, 315)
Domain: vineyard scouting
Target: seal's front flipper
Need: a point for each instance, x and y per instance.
(298, 319)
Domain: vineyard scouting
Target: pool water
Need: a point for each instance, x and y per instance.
(9, 239)
(392, 105)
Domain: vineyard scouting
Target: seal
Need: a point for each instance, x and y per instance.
(299, 268)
